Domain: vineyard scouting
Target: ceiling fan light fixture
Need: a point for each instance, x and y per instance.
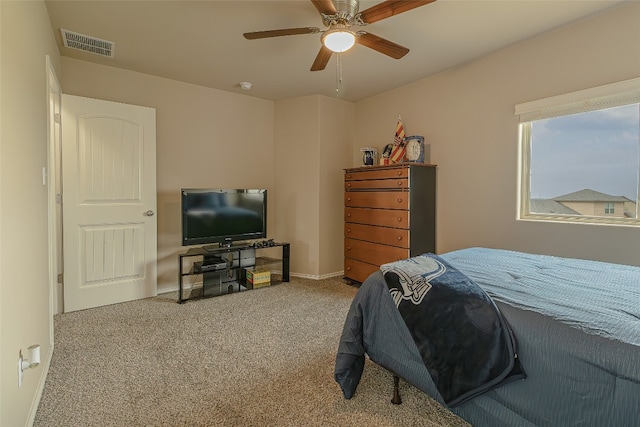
(339, 39)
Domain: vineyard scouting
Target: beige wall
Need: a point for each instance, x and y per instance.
(206, 138)
(26, 38)
(296, 163)
(313, 145)
(212, 138)
(335, 138)
(467, 115)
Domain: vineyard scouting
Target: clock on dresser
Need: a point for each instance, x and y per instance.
(415, 148)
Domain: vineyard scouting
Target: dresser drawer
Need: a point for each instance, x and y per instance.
(386, 173)
(358, 270)
(382, 217)
(377, 199)
(373, 253)
(371, 184)
(386, 236)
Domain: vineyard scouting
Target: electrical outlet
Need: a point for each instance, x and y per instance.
(32, 361)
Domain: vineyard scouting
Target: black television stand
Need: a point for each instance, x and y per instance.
(223, 268)
(213, 248)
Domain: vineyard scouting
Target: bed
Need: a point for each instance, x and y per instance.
(576, 331)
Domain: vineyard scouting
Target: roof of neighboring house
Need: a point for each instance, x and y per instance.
(549, 206)
(588, 195)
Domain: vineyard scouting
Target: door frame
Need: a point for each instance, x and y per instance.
(52, 175)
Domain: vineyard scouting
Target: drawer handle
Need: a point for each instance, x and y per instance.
(399, 219)
(348, 248)
(349, 185)
(399, 173)
(348, 230)
(348, 199)
(399, 199)
(399, 183)
(349, 215)
(399, 238)
(348, 268)
(349, 176)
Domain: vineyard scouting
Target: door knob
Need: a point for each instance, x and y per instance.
(149, 213)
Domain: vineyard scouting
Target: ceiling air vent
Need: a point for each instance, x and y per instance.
(87, 43)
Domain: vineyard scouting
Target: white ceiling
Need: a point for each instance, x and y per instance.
(201, 42)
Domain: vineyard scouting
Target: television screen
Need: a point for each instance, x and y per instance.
(223, 216)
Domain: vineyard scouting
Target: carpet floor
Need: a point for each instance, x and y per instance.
(259, 358)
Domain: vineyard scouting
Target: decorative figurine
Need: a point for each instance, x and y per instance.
(386, 155)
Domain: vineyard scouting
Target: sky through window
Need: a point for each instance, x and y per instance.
(597, 150)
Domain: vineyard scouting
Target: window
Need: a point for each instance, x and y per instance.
(579, 156)
(609, 208)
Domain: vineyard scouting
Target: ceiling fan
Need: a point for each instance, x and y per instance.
(339, 16)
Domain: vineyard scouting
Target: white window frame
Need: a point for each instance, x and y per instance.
(609, 208)
(598, 98)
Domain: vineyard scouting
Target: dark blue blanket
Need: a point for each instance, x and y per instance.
(464, 341)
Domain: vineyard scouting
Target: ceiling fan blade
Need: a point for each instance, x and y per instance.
(389, 8)
(278, 33)
(325, 6)
(321, 59)
(381, 45)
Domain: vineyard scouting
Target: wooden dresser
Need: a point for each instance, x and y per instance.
(389, 214)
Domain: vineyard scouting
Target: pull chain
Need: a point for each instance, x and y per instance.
(338, 71)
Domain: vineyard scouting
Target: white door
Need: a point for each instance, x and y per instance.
(109, 202)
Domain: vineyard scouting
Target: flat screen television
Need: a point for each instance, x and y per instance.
(223, 216)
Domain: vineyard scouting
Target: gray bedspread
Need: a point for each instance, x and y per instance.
(576, 322)
(597, 297)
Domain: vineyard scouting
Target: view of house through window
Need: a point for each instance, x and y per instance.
(586, 163)
(581, 165)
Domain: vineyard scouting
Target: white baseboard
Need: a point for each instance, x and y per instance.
(318, 277)
(36, 399)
